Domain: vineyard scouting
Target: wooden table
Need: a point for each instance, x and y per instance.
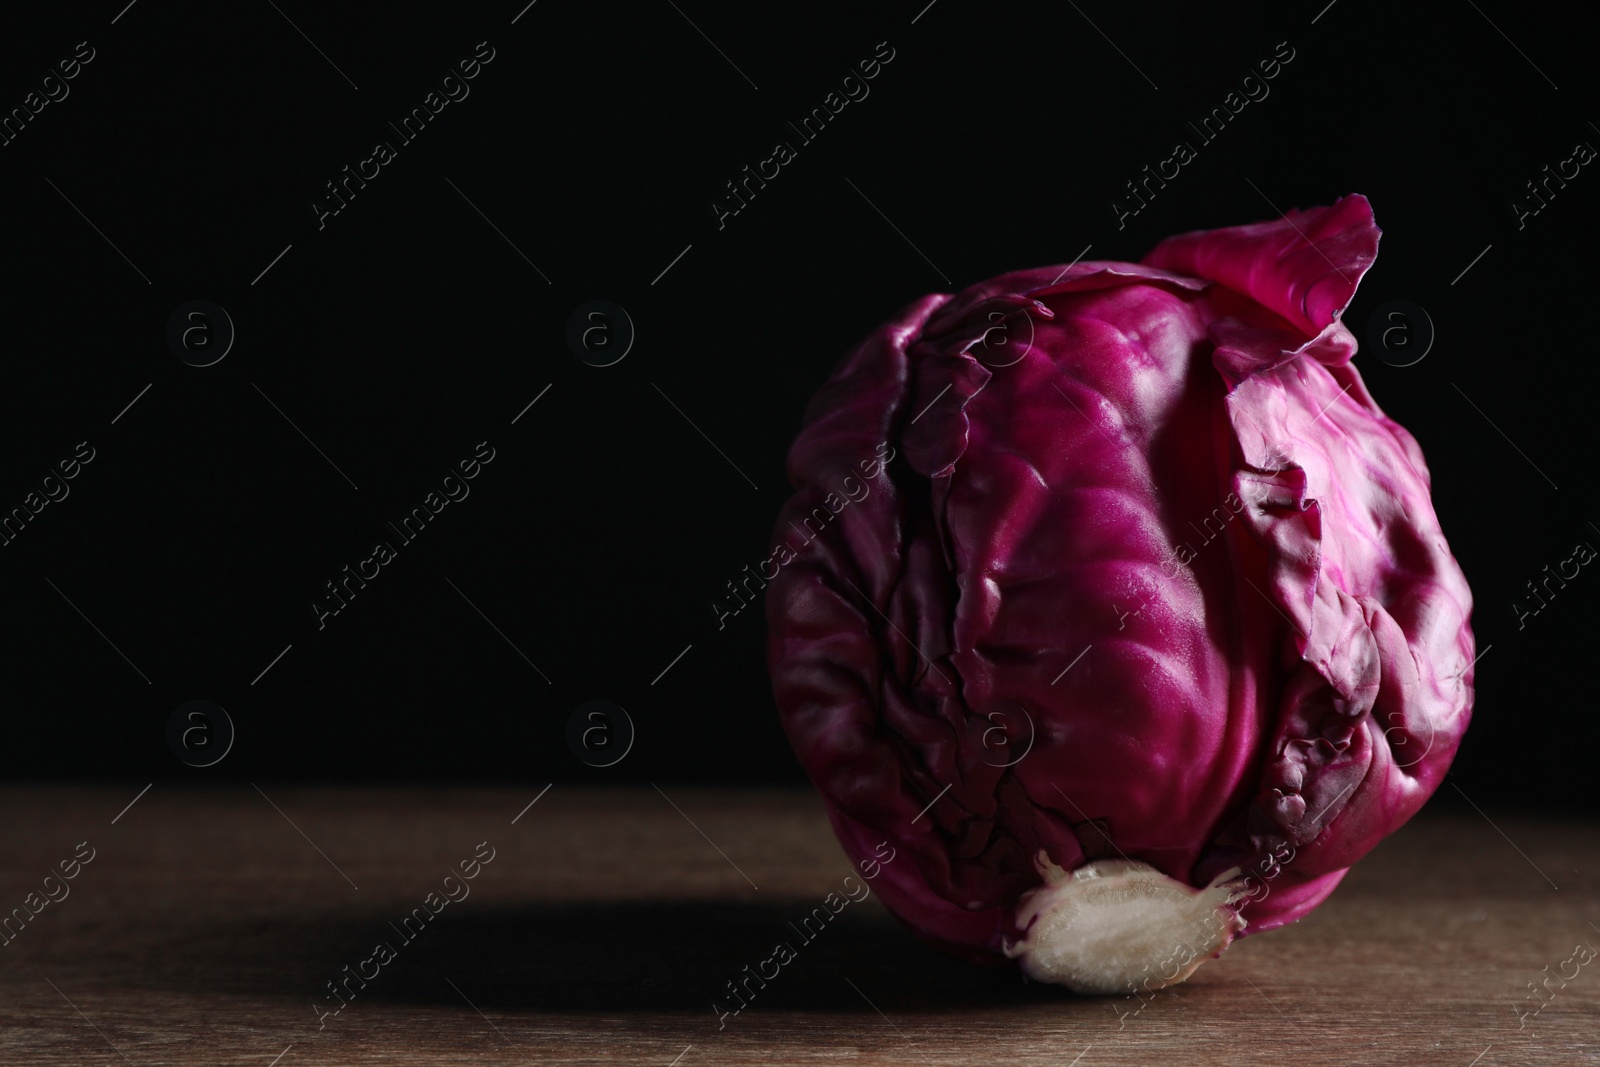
(208, 922)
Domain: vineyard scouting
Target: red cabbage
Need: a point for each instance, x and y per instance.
(1111, 599)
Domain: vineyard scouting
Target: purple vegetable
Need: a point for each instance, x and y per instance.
(1112, 600)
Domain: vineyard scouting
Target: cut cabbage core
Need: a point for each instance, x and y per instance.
(1119, 926)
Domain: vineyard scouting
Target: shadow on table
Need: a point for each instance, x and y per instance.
(604, 957)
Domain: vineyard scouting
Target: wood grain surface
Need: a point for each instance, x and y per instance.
(208, 923)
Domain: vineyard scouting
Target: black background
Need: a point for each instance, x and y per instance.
(408, 330)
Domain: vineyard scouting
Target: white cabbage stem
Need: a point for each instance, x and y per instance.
(1116, 926)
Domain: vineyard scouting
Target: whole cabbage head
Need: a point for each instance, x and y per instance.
(1110, 598)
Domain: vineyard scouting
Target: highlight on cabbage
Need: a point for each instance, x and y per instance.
(1146, 630)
